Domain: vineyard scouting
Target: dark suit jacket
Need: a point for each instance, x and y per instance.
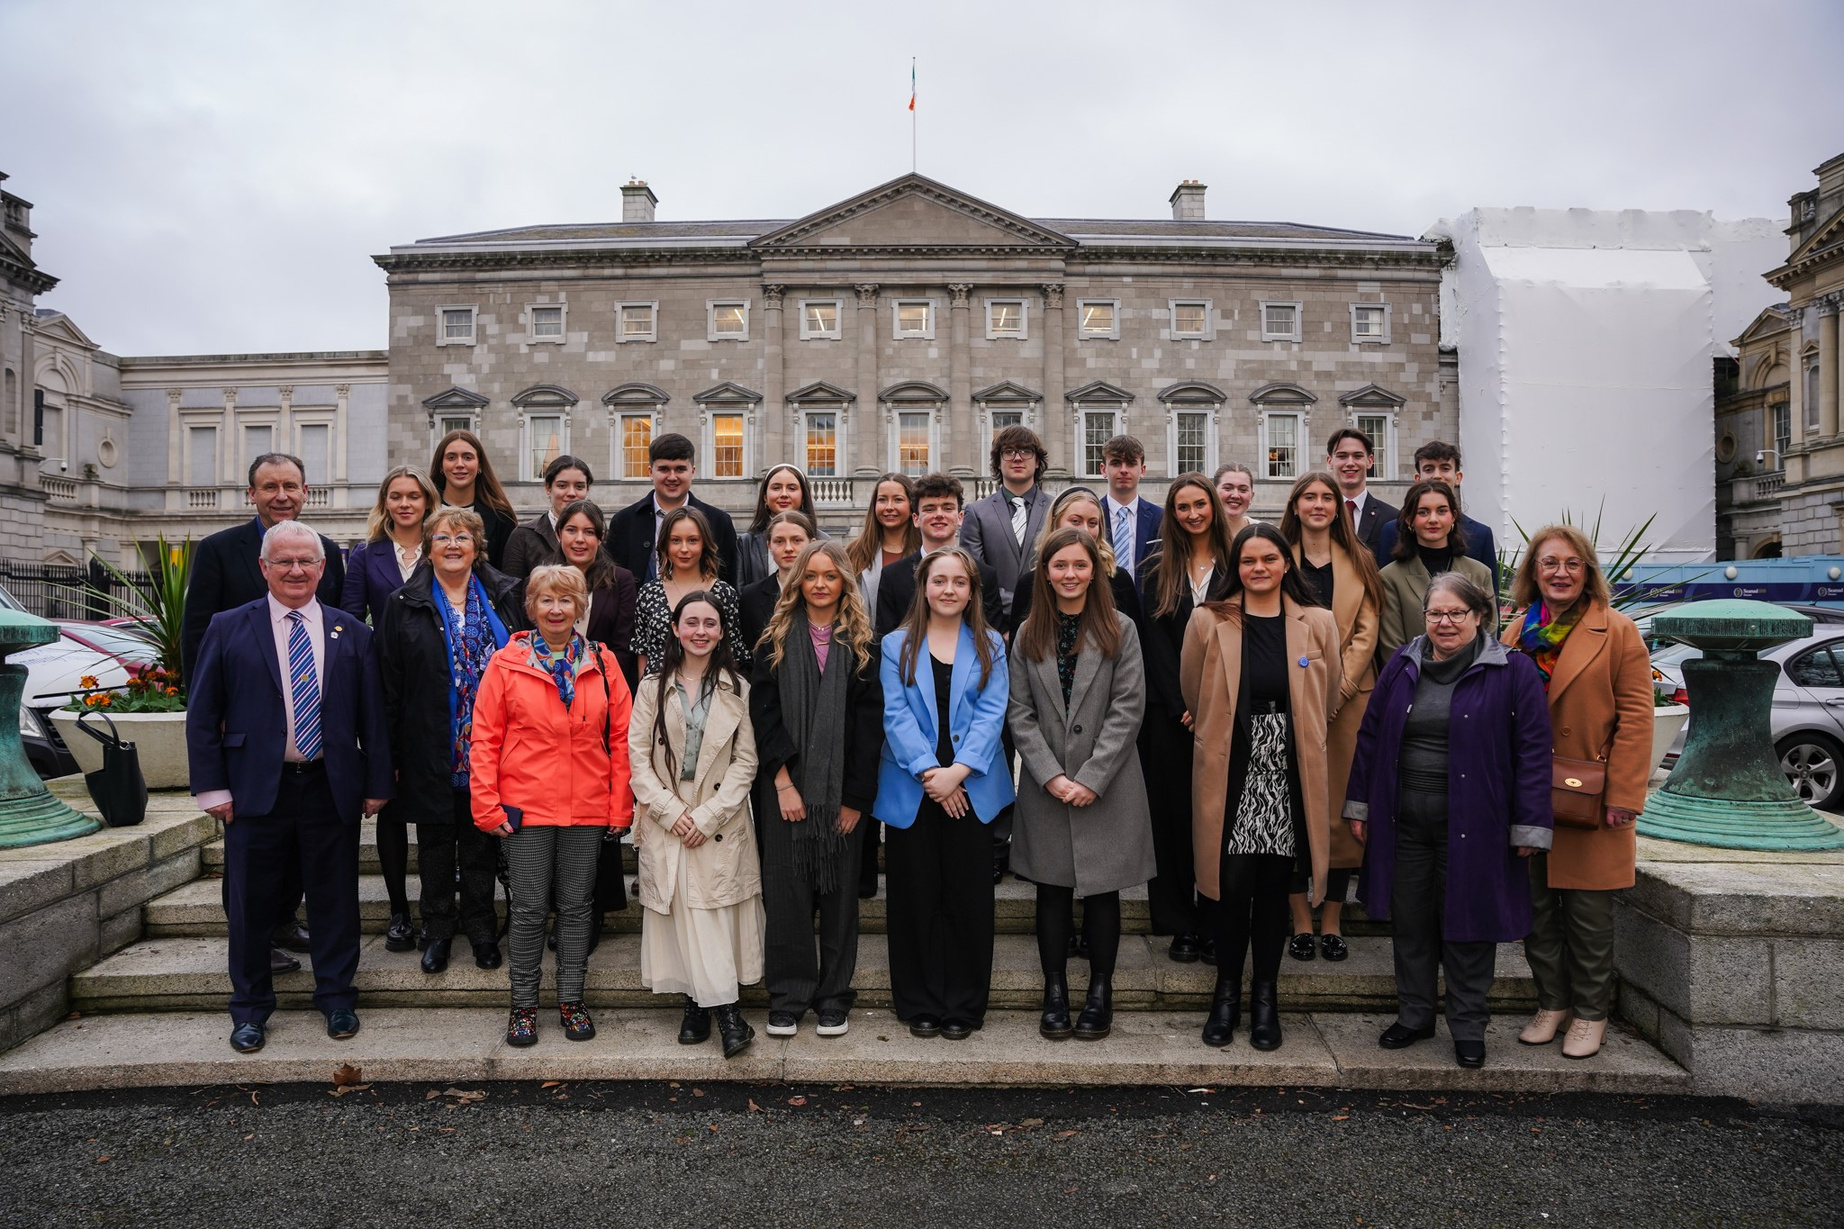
(611, 622)
(757, 602)
(236, 714)
(225, 575)
(1480, 545)
(1376, 514)
(1147, 518)
(897, 590)
(986, 532)
(632, 542)
(371, 577)
(531, 544)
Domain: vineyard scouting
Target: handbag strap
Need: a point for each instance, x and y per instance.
(112, 739)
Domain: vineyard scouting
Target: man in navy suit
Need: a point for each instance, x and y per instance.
(633, 534)
(1441, 460)
(286, 741)
(1131, 524)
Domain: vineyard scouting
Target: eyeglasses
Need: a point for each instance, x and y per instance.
(289, 565)
(1435, 618)
(1574, 567)
(1018, 454)
(454, 539)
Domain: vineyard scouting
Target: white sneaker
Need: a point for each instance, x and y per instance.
(833, 1024)
(782, 1024)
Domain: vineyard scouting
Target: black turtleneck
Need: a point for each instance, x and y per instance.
(1436, 560)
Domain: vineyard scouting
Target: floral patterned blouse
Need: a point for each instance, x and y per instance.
(653, 623)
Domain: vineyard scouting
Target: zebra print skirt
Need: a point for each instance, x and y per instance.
(1263, 822)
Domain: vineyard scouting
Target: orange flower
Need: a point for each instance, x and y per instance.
(90, 701)
(88, 680)
(172, 691)
(108, 698)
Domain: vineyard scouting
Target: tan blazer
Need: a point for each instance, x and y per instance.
(1405, 584)
(1600, 703)
(1358, 618)
(1210, 675)
(725, 870)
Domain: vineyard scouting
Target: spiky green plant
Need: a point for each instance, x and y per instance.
(155, 611)
(1631, 550)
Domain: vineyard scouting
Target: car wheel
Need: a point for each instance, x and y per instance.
(1814, 766)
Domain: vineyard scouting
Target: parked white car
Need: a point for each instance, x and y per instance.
(54, 671)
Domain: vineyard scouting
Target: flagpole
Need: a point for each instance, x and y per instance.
(912, 115)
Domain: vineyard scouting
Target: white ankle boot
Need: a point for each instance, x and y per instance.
(1543, 1027)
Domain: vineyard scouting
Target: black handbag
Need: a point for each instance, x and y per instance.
(117, 788)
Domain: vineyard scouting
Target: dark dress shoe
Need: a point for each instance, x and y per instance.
(734, 1030)
(400, 936)
(291, 936)
(1333, 947)
(435, 956)
(1225, 1014)
(695, 1028)
(1184, 949)
(999, 863)
(1302, 947)
(924, 1026)
(1207, 952)
(1469, 1054)
(281, 962)
(1055, 1023)
(342, 1023)
(247, 1038)
(1078, 945)
(1400, 1036)
(1264, 1016)
(1097, 1018)
(486, 955)
(956, 1030)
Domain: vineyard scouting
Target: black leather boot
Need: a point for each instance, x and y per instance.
(435, 956)
(1097, 1018)
(1225, 1014)
(1264, 1017)
(695, 1029)
(1055, 1024)
(734, 1030)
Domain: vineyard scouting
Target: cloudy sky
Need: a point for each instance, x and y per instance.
(213, 178)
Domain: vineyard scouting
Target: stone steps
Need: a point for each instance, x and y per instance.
(180, 973)
(466, 1045)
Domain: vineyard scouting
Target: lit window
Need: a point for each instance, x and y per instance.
(1369, 322)
(1280, 322)
(823, 445)
(819, 318)
(1192, 442)
(1376, 426)
(1098, 427)
(915, 318)
(1190, 318)
(636, 435)
(544, 436)
(547, 322)
(636, 322)
(1005, 318)
(912, 444)
(457, 326)
(1100, 318)
(1282, 432)
(729, 321)
(727, 445)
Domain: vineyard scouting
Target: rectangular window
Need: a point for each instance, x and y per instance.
(636, 322)
(453, 422)
(1811, 399)
(912, 443)
(1782, 418)
(729, 321)
(201, 456)
(1190, 318)
(1376, 426)
(544, 437)
(820, 318)
(457, 326)
(823, 445)
(1005, 318)
(914, 317)
(1098, 427)
(1369, 322)
(1099, 318)
(1282, 443)
(317, 453)
(727, 445)
(257, 441)
(1280, 322)
(636, 436)
(547, 322)
(49, 432)
(1192, 442)
(1001, 419)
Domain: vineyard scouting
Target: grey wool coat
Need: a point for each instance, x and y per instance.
(1108, 844)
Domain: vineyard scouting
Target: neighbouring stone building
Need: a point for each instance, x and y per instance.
(898, 329)
(1754, 432)
(1812, 502)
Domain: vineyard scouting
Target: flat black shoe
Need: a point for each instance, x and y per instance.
(435, 956)
(1264, 1017)
(400, 936)
(487, 956)
(1333, 947)
(998, 867)
(1302, 947)
(734, 1030)
(342, 1023)
(247, 1038)
(1225, 1014)
(1207, 952)
(281, 962)
(924, 1026)
(1078, 945)
(695, 1028)
(1469, 1054)
(1184, 949)
(1399, 1036)
(1097, 1018)
(291, 936)
(956, 1030)
(1054, 1024)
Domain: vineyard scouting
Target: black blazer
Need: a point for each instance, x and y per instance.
(1162, 638)
(897, 590)
(758, 606)
(611, 621)
(1126, 598)
(864, 733)
(413, 660)
(632, 540)
(531, 544)
(1371, 520)
(237, 719)
(225, 575)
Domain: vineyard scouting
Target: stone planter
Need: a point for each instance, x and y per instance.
(159, 739)
(1667, 723)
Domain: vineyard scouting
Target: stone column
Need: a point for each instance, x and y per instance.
(1056, 443)
(863, 412)
(773, 447)
(175, 440)
(28, 379)
(1827, 369)
(343, 395)
(283, 418)
(231, 450)
(960, 382)
(1796, 387)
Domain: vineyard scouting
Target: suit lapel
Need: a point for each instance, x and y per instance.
(1299, 643)
(1347, 590)
(1088, 666)
(334, 637)
(925, 684)
(966, 661)
(248, 560)
(1584, 644)
(719, 724)
(1045, 671)
(264, 635)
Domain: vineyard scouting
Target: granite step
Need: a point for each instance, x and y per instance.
(179, 973)
(463, 1046)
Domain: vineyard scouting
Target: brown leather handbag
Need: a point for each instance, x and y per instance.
(1578, 792)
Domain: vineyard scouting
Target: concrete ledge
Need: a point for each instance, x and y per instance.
(467, 1044)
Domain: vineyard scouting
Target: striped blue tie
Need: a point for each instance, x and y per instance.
(304, 687)
(1123, 537)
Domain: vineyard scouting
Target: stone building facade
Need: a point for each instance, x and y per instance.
(1812, 502)
(898, 329)
(22, 497)
(1753, 435)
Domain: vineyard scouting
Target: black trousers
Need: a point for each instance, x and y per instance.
(866, 835)
(1251, 915)
(394, 858)
(440, 850)
(938, 877)
(1417, 908)
(795, 978)
(304, 839)
(1172, 898)
(1100, 926)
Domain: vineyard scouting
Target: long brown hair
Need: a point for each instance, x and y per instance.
(486, 483)
(1293, 585)
(601, 571)
(1344, 536)
(915, 623)
(671, 658)
(707, 555)
(851, 628)
(1097, 624)
(870, 540)
(759, 523)
(1406, 541)
(1172, 583)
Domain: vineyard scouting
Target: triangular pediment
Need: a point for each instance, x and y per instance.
(730, 392)
(1373, 396)
(455, 399)
(58, 327)
(1099, 390)
(820, 391)
(1772, 320)
(1007, 392)
(913, 211)
(1824, 235)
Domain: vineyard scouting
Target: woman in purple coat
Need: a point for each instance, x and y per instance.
(1449, 792)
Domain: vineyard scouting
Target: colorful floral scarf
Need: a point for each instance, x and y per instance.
(562, 667)
(471, 644)
(1543, 637)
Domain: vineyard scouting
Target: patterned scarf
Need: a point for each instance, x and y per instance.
(471, 644)
(562, 667)
(1543, 637)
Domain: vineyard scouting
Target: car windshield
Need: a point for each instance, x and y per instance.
(9, 602)
(117, 640)
(1673, 654)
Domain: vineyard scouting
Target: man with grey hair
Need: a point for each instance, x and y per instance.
(286, 740)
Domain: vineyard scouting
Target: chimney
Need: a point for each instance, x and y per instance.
(1188, 201)
(637, 201)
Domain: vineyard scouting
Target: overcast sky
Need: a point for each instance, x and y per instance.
(214, 178)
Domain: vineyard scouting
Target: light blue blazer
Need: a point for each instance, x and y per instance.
(975, 717)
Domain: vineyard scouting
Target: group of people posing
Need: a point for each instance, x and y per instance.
(1099, 691)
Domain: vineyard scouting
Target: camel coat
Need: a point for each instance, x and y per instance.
(1210, 674)
(1405, 584)
(1600, 703)
(725, 870)
(1357, 617)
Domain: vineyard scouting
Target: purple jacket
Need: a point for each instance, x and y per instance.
(1498, 783)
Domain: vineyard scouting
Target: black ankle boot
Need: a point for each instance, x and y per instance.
(1055, 1023)
(734, 1030)
(695, 1029)
(1225, 1014)
(1264, 1017)
(1097, 1018)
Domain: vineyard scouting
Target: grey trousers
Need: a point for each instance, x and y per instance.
(1570, 946)
(796, 981)
(550, 867)
(1417, 906)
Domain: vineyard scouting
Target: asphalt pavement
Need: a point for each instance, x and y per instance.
(771, 1155)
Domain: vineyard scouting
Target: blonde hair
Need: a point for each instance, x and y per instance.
(852, 627)
(555, 578)
(1594, 588)
(1062, 504)
(378, 524)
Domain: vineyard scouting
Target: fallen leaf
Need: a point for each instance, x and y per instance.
(697, 1092)
(77, 1015)
(1065, 1134)
(1032, 1122)
(1341, 1117)
(797, 1100)
(753, 1107)
(345, 1074)
(101, 1160)
(713, 1128)
(464, 1094)
(551, 1084)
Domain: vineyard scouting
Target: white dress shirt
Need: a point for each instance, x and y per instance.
(278, 626)
(1109, 509)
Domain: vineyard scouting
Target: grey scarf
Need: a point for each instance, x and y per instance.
(813, 710)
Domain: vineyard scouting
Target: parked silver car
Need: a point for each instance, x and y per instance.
(1808, 712)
